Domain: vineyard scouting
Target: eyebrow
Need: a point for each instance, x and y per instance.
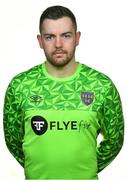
(66, 33)
(51, 34)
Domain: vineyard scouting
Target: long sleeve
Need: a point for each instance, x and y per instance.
(13, 127)
(112, 128)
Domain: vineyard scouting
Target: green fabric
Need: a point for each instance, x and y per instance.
(51, 124)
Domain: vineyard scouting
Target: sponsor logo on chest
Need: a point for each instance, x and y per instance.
(40, 125)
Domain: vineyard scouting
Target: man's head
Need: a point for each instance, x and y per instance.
(58, 35)
(57, 12)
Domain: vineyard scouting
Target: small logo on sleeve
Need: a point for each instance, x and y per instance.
(39, 125)
(87, 97)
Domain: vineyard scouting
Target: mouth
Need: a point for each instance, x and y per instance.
(59, 52)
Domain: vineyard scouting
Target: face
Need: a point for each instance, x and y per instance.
(58, 39)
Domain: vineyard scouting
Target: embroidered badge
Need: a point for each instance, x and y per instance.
(87, 97)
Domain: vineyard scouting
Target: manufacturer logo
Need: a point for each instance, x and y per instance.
(39, 125)
(87, 97)
(35, 98)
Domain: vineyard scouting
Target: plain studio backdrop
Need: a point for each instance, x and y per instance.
(103, 46)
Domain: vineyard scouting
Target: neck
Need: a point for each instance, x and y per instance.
(62, 72)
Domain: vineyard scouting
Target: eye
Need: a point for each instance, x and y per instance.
(67, 36)
(49, 37)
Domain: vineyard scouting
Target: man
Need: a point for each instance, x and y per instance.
(54, 112)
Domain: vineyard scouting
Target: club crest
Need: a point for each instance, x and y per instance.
(87, 97)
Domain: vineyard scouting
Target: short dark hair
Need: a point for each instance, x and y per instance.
(56, 12)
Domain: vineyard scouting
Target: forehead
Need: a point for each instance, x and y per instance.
(59, 25)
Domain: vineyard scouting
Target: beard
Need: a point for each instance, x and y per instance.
(60, 57)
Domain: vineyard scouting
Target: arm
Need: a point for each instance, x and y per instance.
(13, 126)
(112, 127)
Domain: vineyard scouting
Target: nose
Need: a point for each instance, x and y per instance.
(58, 42)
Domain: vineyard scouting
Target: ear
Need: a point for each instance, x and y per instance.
(39, 38)
(78, 34)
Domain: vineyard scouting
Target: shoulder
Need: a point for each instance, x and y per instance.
(99, 83)
(95, 76)
(26, 76)
(29, 73)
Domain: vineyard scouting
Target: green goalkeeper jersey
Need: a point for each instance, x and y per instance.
(51, 124)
